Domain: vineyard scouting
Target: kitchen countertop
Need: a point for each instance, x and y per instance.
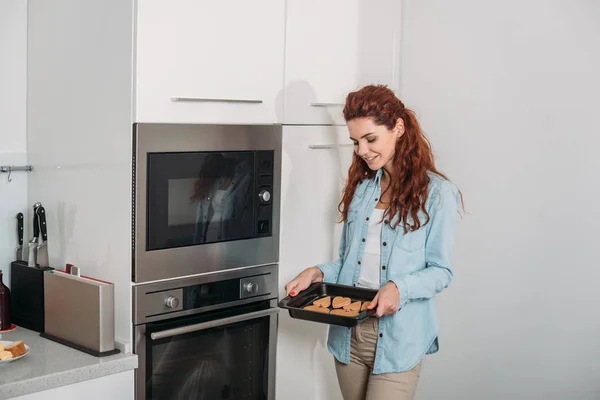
(49, 364)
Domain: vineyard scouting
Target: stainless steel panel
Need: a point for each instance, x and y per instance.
(80, 311)
(157, 303)
(185, 261)
(146, 303)
(254, 286)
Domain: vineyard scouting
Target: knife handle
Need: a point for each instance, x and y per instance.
(41, 212)
(20, 228)
(36, 225)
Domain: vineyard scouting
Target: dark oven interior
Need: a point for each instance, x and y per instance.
(230, 361)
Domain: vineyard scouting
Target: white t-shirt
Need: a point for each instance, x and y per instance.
(370, 272)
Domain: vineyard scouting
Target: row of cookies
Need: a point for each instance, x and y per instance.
(341, 306)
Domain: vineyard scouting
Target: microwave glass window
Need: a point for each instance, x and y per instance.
(198, 198)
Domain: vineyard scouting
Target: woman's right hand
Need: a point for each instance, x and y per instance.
(304, 280)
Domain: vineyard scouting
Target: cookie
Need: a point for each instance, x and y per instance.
(339, 302)
(344, 313)
(323, 302)
(353, 306)
(317, 309)
(365, 305)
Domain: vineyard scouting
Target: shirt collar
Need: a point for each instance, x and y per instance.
(378, 176)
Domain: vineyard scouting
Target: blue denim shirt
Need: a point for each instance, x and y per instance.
(417, 262)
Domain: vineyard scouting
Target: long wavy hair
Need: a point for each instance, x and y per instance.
(413, 158)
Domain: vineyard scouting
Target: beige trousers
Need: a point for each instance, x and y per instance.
(356, 379)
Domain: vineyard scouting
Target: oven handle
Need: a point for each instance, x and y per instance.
(212, 324)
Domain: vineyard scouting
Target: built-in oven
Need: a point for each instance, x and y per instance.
(205, 198)
(208, 337)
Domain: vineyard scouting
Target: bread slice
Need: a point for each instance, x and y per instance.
(344, 313)
(1, 347)
(323, 302)
(17, 349)
(323, 310)
(339, 302)
(353, 306)
(5, 355)
(365, 305)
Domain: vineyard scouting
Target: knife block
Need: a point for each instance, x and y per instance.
(27, 295)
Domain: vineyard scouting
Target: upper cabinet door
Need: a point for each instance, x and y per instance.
(334, 47)
(201, 61)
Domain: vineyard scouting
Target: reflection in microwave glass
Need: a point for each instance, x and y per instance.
(215, 205)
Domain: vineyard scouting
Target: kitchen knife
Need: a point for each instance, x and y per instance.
(42, 247)
(19, 255)
(34, 240)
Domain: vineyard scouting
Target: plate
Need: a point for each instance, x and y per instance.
(6, 344)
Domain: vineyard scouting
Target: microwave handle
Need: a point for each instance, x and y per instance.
(212, 324)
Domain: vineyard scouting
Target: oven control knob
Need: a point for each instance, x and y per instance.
(172, 302)
(251, 287)
(264, 196)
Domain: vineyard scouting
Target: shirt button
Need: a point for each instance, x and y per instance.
(359, 263)
(381, 335)
(383, 268)
(384, 243)
(385, 222)
(376, 199)
(367, 218)
(365, 239)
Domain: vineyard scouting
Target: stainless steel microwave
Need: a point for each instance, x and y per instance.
(206, 198)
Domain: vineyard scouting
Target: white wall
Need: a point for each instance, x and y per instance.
(13, 139)
(79, 137)
(508, 93)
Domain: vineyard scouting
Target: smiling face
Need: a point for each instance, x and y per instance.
(375, 144)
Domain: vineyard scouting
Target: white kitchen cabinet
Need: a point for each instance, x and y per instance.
(312, 180)
(210, 61)
(117, 387)
(334, 47)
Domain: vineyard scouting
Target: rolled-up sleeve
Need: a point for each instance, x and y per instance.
(439, 243)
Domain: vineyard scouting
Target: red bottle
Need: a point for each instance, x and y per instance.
(4, 305)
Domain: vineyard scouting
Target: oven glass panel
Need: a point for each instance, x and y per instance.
(227, 362)
(200, 197)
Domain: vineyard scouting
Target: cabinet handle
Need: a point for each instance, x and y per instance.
(205, 100)
(328, 146)
(327, 104)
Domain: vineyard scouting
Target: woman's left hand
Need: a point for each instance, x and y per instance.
(387, 300)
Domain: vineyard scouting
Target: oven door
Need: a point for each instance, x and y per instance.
(206, 198)
(229, 354)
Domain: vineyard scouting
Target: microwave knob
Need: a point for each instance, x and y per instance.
(172, 302)
(251, 287)
(264, 196)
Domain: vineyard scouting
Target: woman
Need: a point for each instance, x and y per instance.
(399, 216)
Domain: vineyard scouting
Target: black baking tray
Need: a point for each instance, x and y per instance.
(317, 290)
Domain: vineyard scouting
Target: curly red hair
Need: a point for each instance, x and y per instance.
(413, 157)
